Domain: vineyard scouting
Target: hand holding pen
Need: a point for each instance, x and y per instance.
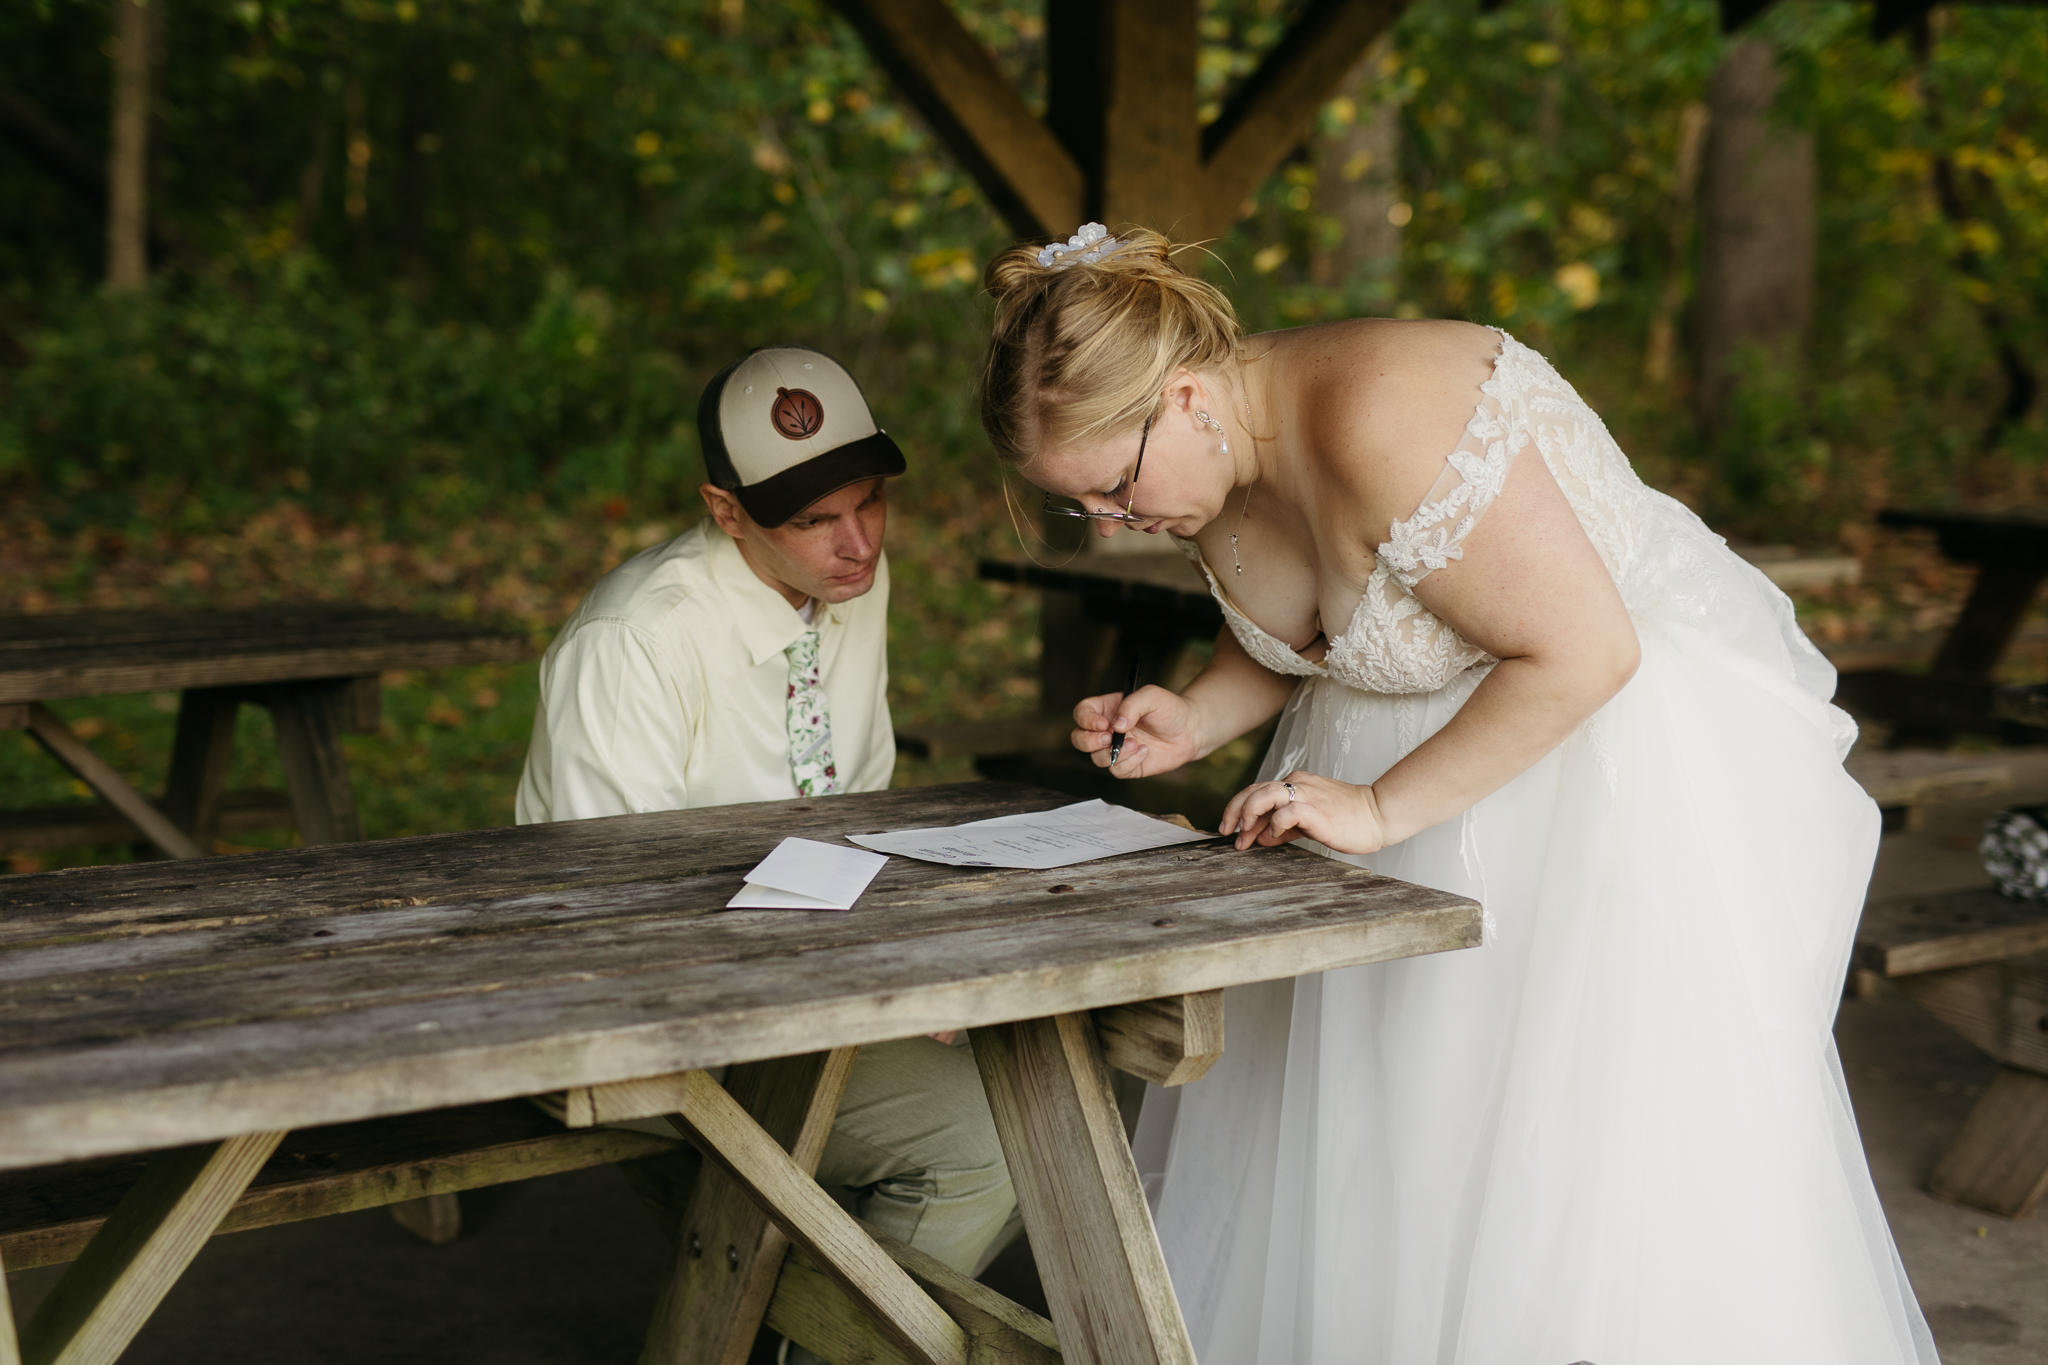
(1143, 733)
(1116, 744)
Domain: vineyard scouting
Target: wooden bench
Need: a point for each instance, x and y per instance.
(1978, 961)
(1905, 781)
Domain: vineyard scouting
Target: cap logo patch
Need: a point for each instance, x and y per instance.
(797, 414)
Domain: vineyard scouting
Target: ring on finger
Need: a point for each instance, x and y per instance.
(1292, 794)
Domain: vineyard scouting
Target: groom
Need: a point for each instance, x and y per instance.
(744, 661)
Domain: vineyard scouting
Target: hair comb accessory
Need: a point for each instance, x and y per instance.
(1086, 247)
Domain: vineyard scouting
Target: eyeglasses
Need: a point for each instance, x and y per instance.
(1126, 515)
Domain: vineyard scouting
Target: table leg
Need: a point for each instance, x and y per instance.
(10, 1347)
(314, 766)
(67, 748)
(1999, 1161)
(200, 757)
(134, 1259)
(1091, 1232)
(732, 1140)
(729, 1254)
(1977, 642)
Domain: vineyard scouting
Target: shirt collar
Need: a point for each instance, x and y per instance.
(766, 623)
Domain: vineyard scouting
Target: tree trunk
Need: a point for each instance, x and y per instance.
(1757, 238)
(128, 162)
(1685, 181)
(1358, 181)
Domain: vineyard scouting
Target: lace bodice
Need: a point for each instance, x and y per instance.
(1393, 643)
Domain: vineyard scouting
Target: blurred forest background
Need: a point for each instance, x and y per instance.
(433, 285)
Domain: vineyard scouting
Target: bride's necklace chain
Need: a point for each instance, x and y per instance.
(1217, 427)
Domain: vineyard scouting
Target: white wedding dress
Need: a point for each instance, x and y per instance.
(1618, 1132)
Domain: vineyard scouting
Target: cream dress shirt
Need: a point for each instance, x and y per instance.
(666, 689)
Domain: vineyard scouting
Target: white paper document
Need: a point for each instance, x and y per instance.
(1079, 833)
(803, 874)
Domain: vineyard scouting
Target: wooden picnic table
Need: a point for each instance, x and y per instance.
(203, 1010)
(1960, 692)
(316, 666)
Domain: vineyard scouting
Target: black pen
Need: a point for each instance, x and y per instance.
(1116, 741)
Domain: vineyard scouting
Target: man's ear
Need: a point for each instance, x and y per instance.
(725, 510)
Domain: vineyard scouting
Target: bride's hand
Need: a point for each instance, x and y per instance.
(1335, 814)
(1159, 729)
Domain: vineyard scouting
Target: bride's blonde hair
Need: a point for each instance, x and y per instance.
(1083, 352)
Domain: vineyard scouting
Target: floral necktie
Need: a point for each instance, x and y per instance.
(810, 721)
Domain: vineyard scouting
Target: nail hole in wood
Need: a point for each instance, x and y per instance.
(323, 933)
(696, 1247)
(1164, 923)
(1056, 890)
(732, 1258)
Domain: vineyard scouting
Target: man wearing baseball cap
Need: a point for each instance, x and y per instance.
(744, 661)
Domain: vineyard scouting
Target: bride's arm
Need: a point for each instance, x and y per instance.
(1162, 729)
(1531, 591)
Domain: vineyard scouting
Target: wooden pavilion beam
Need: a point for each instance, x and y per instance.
(1273, 109)
(949, 78)
(1122, 140)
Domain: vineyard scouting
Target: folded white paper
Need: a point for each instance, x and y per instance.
(803, 874)
(1044, 839)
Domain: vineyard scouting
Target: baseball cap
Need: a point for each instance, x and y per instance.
(784, 426)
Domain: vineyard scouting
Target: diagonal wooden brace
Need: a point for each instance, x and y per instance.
(67, 748)
(728, 1253)
(731, 1139)
(132, 1262)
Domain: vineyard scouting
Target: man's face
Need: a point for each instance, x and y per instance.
(829, 551)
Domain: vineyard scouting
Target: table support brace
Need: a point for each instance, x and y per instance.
(728, 1252)
(1105, 1278)
(131, 1263)
(731, 1139)
(67, 748)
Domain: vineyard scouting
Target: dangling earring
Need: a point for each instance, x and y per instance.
(1217, 427)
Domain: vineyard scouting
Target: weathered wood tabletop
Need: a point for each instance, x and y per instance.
(315, 666)
(156, 1005)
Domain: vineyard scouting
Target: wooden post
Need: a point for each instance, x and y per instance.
(1098, 1256)
(1152, 142)
(132, 1262)
(10, 1347)
(200, 757)
(729, 1253)
(315, 768)
(128, 161)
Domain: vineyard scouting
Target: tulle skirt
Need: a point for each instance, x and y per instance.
(1616, 1133)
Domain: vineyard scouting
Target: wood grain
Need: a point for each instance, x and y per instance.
(168, 1003)
(1999, 1162)
(815, 1313)
(729, 1138)
(729, 1252)
(101, 1302)
(315, 769)
(1167, 1042)
(1914, 777)
(76, 824)
(88, 654)
(1105, 1277)
(1914, 934)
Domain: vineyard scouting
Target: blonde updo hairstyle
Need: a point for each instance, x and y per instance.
(1084, 352)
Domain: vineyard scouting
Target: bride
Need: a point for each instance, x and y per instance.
(1618, 1131)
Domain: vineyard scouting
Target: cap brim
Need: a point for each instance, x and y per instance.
(774, 501)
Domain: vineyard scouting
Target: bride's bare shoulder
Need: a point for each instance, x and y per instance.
(1379, 404)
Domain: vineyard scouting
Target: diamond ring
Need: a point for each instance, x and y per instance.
(1292, 794)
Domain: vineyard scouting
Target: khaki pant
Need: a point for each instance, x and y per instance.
(913, 1151)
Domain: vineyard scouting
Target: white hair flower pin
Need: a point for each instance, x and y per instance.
(1091, 244)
